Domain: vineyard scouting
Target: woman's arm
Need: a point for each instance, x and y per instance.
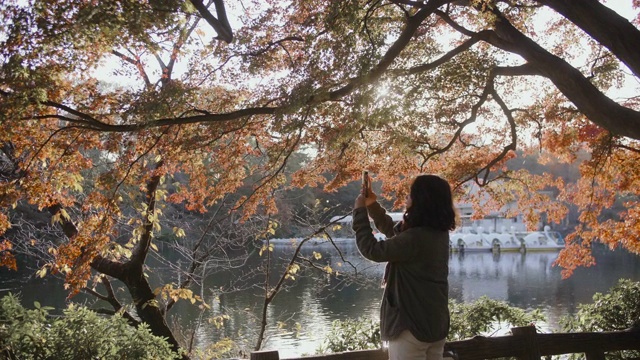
(396, 248)
(383, 222)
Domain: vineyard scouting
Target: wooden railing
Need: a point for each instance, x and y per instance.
(524, 343)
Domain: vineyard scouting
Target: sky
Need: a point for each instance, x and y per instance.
(236, 14)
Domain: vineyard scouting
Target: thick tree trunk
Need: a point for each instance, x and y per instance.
(147, 306)
(605, 26)
(132, 275)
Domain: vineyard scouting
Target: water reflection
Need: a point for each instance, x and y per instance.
(525, 280)
(300, 316)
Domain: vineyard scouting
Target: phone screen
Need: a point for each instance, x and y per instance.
(365, 183)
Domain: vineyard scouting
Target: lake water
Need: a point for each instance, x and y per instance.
(300, 316)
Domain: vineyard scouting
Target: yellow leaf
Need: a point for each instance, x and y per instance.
(55, 218)
(264, 248)
(293, 269)
(178, 231)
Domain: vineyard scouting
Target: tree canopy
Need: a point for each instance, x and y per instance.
(111, 105)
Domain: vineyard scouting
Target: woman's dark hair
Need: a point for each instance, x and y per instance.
(431, 204)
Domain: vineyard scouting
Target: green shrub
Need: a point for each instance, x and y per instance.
(349, 335)
(619, 309)
(467, 320)
(486, 317)
(79, 334)
(222, 349)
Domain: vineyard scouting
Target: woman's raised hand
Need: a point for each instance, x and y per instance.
(366, 196)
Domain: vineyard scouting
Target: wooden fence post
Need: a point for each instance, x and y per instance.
(265, 355)
(595, 355)
(531, 350)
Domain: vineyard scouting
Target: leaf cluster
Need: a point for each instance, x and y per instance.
(78, 334)
(487, 316)
(484, 316)
(617, 310)
(352, 334)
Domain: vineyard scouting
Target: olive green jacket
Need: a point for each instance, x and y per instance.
(416, 293)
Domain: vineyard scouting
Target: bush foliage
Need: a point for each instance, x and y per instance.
(484, 316)
(80, 334)
(619, 309)
(350, 334)
(487, 317)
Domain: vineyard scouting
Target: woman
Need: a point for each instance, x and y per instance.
(414, 316)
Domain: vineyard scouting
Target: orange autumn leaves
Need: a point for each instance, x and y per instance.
(6, 257)
(301, 83)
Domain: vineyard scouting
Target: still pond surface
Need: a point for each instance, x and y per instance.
(301, 316)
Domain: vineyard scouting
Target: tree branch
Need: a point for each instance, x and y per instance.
(112, 300)
(274, 43)
(472, 118)
(394, 50)
(221, 24)
(605, 26)
(139, 253)
(599, 108)
(135, 62)
(392, 53)
(446, 57)
(512, 130)
(184, 35)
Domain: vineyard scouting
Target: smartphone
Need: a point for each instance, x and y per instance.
(365, 183)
